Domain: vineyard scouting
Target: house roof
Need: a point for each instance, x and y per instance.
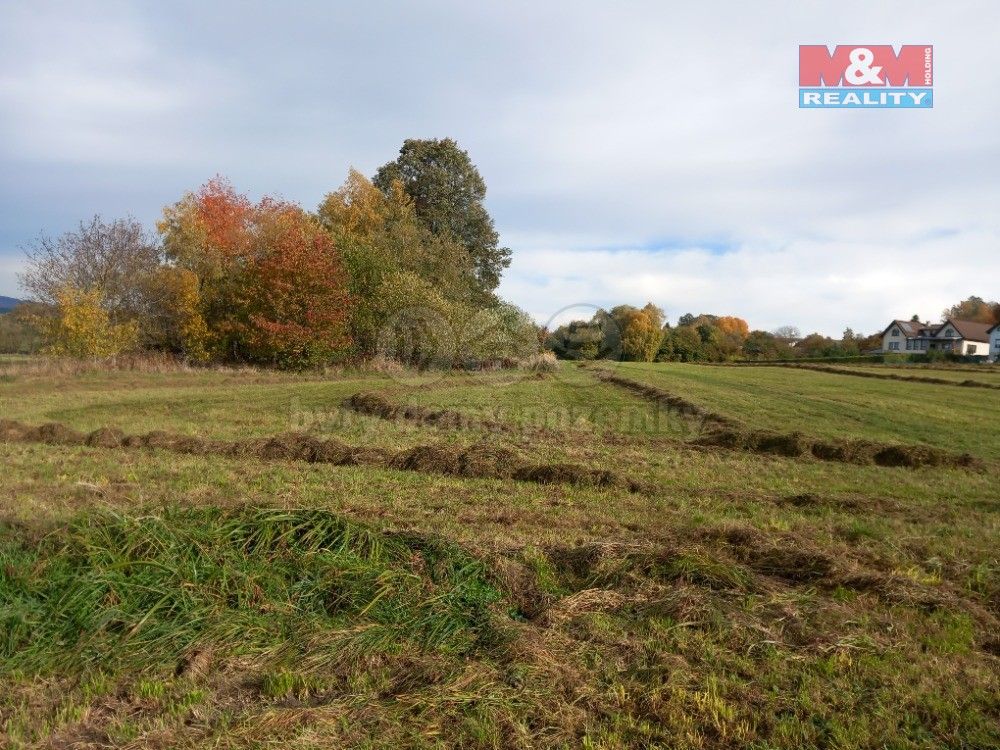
(971, 330)
(994, 328)
(908, 327)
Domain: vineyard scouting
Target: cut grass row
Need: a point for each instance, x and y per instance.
(928, 378)
(956, 419)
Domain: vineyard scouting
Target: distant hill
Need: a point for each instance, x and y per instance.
(8, 303)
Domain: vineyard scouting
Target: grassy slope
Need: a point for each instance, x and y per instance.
(745, 600)
(829, 405)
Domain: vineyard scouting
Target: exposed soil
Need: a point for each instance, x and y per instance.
(485, 460)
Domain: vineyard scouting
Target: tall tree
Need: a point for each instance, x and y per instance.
(448, 194)
(383, 241)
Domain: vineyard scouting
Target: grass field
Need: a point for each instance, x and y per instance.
(835, 405)
(162, 598)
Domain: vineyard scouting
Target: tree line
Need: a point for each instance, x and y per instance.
(643, 335)
(406, 262)
(403, 265)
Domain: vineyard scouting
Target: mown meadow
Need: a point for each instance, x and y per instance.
(498, 559)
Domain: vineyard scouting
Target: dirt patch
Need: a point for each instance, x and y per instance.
(488, 459)
(428, 458)
(807, 500)
(791, 564)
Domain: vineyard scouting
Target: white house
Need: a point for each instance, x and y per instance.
(994, 334)
(958, 336)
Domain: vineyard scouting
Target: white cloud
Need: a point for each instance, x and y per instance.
(817, 285)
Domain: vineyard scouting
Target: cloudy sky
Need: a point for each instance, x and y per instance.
(633, 151)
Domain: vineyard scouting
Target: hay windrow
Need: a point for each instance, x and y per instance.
(873, 375)
(484, 460)
(376, 405)
(726, 432)
(668, 400)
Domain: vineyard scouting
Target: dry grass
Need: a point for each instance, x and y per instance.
(170, 590)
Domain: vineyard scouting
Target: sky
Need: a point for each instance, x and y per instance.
(633, 151)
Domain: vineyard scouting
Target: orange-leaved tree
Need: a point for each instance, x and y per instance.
(272, 287)
(732, 326)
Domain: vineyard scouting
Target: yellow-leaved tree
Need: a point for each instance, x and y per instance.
(82, 327)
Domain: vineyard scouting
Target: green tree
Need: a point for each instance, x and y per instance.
(850, 343)
(666, 351)
(764, 345)
(448, 194)
(687, 344)
(380, 237)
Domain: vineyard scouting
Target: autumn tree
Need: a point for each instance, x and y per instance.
(817, 345)
(175, 323)
(641, 332)
(448, 195)
(80, 326)
(578, 339)
(975, 309)
(687, 344)
(113, 259)
(732, 326)
(271, 284)
(382, 240)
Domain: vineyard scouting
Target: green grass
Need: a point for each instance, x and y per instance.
(980, 373)
(837, 406)
(149, 598)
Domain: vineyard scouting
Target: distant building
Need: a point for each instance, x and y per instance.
(994, 334)
(964, 337)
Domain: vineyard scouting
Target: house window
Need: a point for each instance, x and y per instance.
(895, 331)
(894, 345)
(972, 348)
(949, 332)
(909, 345)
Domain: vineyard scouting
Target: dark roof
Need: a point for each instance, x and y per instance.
(971, 330)
(908, 327)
